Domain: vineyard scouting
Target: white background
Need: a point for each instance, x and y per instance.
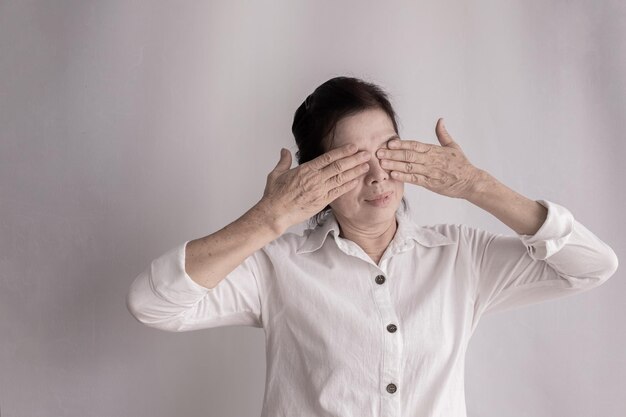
(127, 127)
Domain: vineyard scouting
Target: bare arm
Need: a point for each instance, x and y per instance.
(523, 215)
(298, 192)
(210, 259)
(179, 291)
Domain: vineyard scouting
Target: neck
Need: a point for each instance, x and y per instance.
(373, 239)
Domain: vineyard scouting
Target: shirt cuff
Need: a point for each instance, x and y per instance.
(553, 233)
(172, 282)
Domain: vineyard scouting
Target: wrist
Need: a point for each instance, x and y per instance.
(269, 217)
(483, 182)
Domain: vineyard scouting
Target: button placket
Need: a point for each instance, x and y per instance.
(392, 347)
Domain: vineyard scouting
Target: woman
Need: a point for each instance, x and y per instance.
(366, 313)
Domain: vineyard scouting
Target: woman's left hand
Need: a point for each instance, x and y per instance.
(442, 169)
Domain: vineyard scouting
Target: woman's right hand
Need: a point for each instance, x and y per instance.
(295, 194)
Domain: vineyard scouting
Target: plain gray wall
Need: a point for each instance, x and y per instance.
(128, 127)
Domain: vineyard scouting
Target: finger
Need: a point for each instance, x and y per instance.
(407, 155)
(284, 163)
(331, 156)
(410, 144)
(443, 136)
(335, 192)
(413, 178)
(344, 164)
(347, 176)
(404, 167)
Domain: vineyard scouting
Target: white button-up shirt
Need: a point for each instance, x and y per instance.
(347, 337)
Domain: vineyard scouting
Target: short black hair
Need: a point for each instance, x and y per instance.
(315, 120)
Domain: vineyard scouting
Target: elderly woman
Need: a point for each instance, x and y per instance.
(367, 313)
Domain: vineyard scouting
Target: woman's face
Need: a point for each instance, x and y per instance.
(369, 130)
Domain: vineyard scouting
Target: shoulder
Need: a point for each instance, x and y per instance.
(461, 234)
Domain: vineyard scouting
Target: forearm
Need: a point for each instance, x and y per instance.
(210, 259)
(523, 215)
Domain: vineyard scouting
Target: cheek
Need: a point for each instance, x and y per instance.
(398, 190)
(350, 198)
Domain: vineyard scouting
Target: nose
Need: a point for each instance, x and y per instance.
(376, 173)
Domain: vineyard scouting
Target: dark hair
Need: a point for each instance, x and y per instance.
(315, 120)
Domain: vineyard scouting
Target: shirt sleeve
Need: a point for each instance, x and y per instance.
(562, 258)
(165, 297)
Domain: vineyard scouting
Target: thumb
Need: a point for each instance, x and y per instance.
(444, 137)
(284, 164)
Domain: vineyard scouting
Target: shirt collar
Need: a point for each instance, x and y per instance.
(407, 231)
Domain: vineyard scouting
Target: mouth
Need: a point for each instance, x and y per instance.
(381, 197)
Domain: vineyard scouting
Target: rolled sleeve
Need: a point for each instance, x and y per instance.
(165, 297)
(553, 233)
(562, 258)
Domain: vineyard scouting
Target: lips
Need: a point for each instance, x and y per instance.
(379, 196)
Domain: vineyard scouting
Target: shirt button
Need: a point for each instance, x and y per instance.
(391, 388)
(380, 279)
(392, 328)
